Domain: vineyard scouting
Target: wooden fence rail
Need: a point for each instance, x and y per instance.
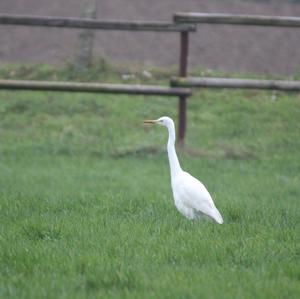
(94, 87)
(235, 83)
(233, 19)
(157, 26)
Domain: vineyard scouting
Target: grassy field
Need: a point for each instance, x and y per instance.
(86, 205)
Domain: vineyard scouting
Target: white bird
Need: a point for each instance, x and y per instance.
(190, 196)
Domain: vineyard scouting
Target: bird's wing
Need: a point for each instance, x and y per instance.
(194, 195)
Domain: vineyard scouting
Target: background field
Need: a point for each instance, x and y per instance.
(86, 205)
(225, 48)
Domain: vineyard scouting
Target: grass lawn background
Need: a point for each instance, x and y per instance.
(86, 204)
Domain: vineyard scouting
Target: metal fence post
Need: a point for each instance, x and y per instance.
(184, 43)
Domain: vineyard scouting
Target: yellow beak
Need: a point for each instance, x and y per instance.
(149, 121)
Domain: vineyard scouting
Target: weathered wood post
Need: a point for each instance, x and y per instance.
(86, 37)
(183, 65)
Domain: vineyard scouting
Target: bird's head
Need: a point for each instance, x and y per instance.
(163, 121)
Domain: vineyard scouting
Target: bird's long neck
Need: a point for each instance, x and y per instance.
(173, 160)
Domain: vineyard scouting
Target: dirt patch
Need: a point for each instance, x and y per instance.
(224, 48)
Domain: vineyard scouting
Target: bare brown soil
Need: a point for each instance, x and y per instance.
(224, 48)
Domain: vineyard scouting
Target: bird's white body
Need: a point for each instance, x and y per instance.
(191, 197)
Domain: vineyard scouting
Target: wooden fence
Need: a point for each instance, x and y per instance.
(234, 19)
(95, 87)
(229, 19)
(42, 21)
(184, 23)
(235, 83)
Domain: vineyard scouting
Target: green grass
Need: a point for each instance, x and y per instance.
(87, 211)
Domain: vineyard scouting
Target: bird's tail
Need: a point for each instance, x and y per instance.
(217, 216)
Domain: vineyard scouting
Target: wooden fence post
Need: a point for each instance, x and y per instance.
(183, 65)
(86, 37)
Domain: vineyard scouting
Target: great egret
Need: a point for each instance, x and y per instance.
(191, 197)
